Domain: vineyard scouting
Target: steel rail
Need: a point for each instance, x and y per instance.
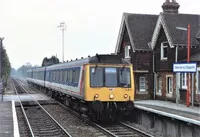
(27, 121)
(133, 128)
(46, 111)
(105, 130)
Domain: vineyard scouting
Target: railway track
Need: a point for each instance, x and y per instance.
(115, 130)
(75, 126)
(122, 130)
(37, 120)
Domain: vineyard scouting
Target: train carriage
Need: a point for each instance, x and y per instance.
(29, 77)
(99, 86)
(65, 78)
(38, 76)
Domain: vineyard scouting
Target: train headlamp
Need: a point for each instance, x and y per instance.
(125, 96)
(96, 95)
(111, 96)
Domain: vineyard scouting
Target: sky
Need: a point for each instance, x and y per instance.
(92, 26)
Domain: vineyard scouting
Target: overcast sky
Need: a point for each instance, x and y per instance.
(31, 33)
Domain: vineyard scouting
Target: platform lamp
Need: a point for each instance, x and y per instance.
(188, 61)
(62, 27)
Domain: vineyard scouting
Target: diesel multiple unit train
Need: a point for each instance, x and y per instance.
(100, 86)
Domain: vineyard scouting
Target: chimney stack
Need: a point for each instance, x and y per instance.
(170, 6)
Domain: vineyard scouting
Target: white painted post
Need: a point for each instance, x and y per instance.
(192, 89)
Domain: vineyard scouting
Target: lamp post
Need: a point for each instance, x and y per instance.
(62, 27)
(188, 61)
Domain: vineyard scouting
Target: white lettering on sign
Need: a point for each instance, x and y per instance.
(184, 67)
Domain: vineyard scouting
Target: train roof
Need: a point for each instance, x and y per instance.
(102, 59)
(36, 69)
(39, 69)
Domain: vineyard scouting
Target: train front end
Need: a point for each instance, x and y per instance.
(110, 90)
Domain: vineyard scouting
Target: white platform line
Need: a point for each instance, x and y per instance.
(15, 122)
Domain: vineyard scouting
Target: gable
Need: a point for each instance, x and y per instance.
(125, 41)
(140, 28)
(161, 38)
(160, 25)
(177, 37)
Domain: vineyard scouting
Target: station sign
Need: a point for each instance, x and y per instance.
(185, 67)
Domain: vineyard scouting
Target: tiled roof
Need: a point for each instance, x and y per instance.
(179, 37)
(193, 58)
(140, 28)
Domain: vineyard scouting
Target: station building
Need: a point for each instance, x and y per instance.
(153, 43)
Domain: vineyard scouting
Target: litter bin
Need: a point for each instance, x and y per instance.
(183, 95)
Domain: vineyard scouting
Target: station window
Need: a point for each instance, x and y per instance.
(198, 82)
(142, 84)
(126, 51)
(169, 80)
(164, 47)
(184, 80)
(159, 85)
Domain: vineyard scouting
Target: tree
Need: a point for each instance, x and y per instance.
(50, 61)
(13, 72)
(6, 67)
(22, 71)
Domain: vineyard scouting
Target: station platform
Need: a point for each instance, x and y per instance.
(8, 120)
(172, 110)
(25, 97)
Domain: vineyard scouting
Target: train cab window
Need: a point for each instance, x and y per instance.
(96, 76)
(110, 77)
(124, 77)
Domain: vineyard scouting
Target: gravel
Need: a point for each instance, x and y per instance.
(151, 131)
(75, 126)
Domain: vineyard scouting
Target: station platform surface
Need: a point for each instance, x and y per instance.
(173, 110)
(25, 97)
(8, 120)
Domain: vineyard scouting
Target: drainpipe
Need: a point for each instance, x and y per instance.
(154, 73)
(177, 78)
(192, 89)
